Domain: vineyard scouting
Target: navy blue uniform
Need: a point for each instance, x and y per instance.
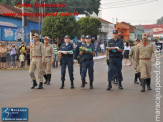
(67, 59)
(115, 59)
(88, 63)
(77, 50)
(78, 56)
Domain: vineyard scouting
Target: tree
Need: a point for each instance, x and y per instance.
(160, 21)
(60, 26)
(89, 26)
(80, 6)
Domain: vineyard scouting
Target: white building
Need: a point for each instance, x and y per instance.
(106, 30)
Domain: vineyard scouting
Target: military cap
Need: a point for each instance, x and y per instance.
(35, 35)
(144, 35)
(88, 37)
(82, 37)
(115, 31)
(46, 37)
(67, 36)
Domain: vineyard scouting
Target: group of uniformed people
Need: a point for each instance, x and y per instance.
(141, 54)
(42, 57)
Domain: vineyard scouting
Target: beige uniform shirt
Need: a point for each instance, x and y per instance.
(37, 50)
(144, 51)
(49, 51)
(0, 51)
(132, 53)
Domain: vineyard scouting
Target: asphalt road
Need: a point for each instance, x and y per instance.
(80, 105)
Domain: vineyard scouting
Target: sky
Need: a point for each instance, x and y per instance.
(135, 12)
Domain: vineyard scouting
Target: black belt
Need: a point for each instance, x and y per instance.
(66, 55)
(88, 59)
(115, 56)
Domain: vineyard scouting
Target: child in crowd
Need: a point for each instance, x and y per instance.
(22, 59)
(4, 54)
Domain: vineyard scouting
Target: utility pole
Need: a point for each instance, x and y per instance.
(23, 27)
(116, 20)
(39, 22)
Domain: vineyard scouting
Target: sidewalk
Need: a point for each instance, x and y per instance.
(27, 68)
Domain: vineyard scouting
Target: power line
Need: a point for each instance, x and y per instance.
(137, 20)
(126, 3)
(121, 2)
(129, 5)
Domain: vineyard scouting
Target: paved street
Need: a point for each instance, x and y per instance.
(83, 105)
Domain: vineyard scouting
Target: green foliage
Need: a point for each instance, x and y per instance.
(131, 42)
(155, 40)
(160, 21)
(80, 6)
(89, 26)
(60, 26)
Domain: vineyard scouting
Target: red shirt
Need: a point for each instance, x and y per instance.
(144, 43)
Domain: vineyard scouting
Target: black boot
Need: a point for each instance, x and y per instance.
(120, 85)
(148, 81)
(34, 84)
(62, 85)
(72, 85)
(40, 85)
(109, 86)
(136, 77)
(143, 85)
(91, 85)
(48, 79)
(83, 84)
(139, 75)
(45, 77)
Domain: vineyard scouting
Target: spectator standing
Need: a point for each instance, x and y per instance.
(8, 55)
(28, 54)
(55, 63)
(4, 54)
(126, 52)
(96, 47)
(0, 55)
(102, 46)
(13, 54)
(22, 49)
(22, 60)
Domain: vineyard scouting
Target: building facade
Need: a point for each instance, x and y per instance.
(154, 30)
(106, 30)
(137, 33)
(11, 26)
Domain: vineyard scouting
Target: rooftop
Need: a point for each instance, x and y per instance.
(10, 9)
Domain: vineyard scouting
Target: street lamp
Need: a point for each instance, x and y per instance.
(23, 27)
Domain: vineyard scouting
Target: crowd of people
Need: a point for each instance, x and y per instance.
(15, 56)
(42, 56)
(18, 56)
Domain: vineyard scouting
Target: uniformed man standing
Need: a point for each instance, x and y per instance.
(77, 53)
(143, 56)
(87, 52)
(49, 58)
(132, 56)
(115, 49)
(66, 51)
(37, 61)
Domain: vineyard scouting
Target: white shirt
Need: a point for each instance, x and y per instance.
(127, 48)
(102, 46)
